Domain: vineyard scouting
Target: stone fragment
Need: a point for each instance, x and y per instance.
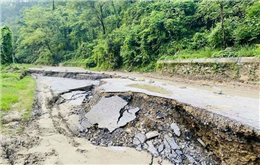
(170, 142)
(106, 112)
(190, 158)
(160, 148)
(201, 142)
(174, 154)
(178, 159)
(74, 97)
(176, 129)
(179, 152)
(80, 128)
(152, 149)
(139, 147)
(136, 141)
(151, 135)
(140, 137)
(145, 146)
(11, 117)
(127, 117)
(217, 90)
(132, 78)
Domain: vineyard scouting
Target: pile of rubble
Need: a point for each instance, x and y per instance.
(115, 121)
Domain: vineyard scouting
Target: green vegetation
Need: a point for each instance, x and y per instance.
(6, 45)
(17, 93)
(131, 34)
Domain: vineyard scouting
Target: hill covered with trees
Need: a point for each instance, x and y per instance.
(131, 34)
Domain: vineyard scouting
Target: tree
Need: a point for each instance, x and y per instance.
(6, 46)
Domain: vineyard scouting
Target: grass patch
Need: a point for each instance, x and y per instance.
(16, 93)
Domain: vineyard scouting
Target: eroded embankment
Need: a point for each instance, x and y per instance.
(168, 129)
(194, 137)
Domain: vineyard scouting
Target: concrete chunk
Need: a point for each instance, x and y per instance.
(170, 142)
(151, 135)
(106, 113)
(176, 129)
(127, 117)
(139, 137)
(152, 149)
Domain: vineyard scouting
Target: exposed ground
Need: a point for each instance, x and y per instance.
(134, 119)
(48, 139)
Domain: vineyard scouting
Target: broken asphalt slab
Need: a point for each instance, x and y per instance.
(107, 113)
(240, 109)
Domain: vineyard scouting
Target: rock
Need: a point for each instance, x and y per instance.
(105, 116)
(136, 141)
(170, 143)
(229, 49)
(217, 90)
(151, 135)
(179, 152)
(160, 148)
(11, 117)
(178, 159)
(80, 128)
(132, 78)
(74, 97)
(151, 81)
(127, 117)
(159, 115)
(140, 137)
(190, 158)
(176, 129)
(139, 147)
(174, 154)
(152, 149)
(145, 146)
(201, 142)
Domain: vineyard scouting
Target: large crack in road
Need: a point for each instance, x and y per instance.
(104, 121)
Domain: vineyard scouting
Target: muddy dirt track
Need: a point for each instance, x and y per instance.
(89, 118)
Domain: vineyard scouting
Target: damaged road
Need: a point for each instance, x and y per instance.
(51, 138)
(100, 119)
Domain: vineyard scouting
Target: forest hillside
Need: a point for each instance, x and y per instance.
(127, 34)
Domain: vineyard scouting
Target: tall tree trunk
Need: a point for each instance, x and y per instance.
(102, 19)
(222, 26)
(53, 6)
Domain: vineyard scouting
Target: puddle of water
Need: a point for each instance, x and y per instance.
(149, 88)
